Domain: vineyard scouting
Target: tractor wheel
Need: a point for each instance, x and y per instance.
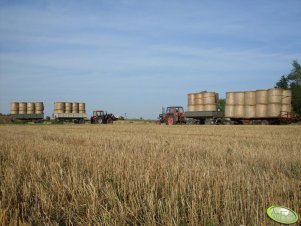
(100, 121)
(170, 120)
(109, 121)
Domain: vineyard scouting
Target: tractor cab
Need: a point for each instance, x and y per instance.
(174, 110)
(98, 113)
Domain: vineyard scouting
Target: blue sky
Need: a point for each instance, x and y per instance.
(135, 56)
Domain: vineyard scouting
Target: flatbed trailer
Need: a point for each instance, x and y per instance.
(28, 117)
(204, 117)
(70, 117)
(283, 118)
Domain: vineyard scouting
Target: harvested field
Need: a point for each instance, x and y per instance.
(147, 174)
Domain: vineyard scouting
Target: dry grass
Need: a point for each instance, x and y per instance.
(147, 174)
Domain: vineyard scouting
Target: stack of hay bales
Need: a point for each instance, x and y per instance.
(203, 101)
(26, 108)
(14, 108)
(82, 108)
(69, 107)
(39, 108)
(31, 107)
(59, 107)
(22, 108)
(258, 104)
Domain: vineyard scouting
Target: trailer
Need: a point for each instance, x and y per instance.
(205, 117)
(283, 118)
(70, 117)
(37, 118)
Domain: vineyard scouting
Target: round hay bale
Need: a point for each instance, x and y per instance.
(261, 110)
(22, 108)
(286, 107)
(250, 98)
(82, 107)
(286, 96)
(274, 110)
(275, 96)
(59, 107)
(239, 98)
(31, 107)
(39, 112)
(198, 101)
(82, 111)
(190, 107)
(39, 106)
(209, 98)
(261, 97)
(250, 110)
(68, 107)
(198, 96)
(14, 108)
(230, 98)
(190, 97)
(210, 107)
(199, 107)
(75, 107)
(239, 111)
(229, 111)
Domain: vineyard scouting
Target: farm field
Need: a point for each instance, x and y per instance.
(136, 174)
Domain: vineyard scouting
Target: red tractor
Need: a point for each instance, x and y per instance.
(102, 117)
(173, 115)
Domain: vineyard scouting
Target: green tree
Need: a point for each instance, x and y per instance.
(293, 81)
(221, 104)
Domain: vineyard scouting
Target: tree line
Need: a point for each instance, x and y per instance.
(292, 81)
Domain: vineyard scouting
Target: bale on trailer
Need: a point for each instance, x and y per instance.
(239, 111)
(59, 107)
(275, 96)
(22, 108)
(210, 107)
(68, 107)
(239, 98)
(274, 110)
(261, 97)
(230, 100)
(75, 107)
(250, 111)
(229, 111)
(82, 108)
(287, 96)
(209, 98)
(39, 108)
(261, 110)
(30, 107)
(250, 98)
(286, 107)
(199, 107)
(191, 97)
(14, 108)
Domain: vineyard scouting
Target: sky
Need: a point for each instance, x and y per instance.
(137, 56)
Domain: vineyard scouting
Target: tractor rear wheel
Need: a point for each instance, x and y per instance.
(170, 120)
